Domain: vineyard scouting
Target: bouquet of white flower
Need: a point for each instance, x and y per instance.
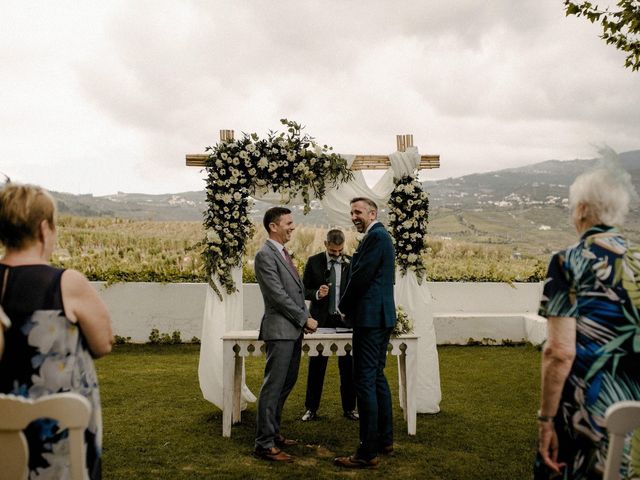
(290, 164)
(403, 323)
(408, 219)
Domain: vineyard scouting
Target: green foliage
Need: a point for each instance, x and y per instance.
(157, 338)
(120, 340)
(116, 250)
(620, 27)
(248, 274)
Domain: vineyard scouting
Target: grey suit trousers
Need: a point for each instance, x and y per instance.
(280, 375)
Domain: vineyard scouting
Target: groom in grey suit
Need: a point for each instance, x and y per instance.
(285, 319)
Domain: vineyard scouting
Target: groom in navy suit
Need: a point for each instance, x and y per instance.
(368, 304)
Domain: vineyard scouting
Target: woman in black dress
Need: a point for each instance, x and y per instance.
(55, 325)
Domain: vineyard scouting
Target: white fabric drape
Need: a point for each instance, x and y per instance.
(336, 201)
(416, 301)
(226, 315)
(220, 316)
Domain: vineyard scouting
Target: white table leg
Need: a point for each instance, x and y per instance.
(237, 389)
(228, 368)
(402, 383)
(411, 380)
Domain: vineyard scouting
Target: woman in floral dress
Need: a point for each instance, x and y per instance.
(592, 356)
(54, 324)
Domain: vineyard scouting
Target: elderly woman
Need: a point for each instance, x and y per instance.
(54, 324)
(592, 356)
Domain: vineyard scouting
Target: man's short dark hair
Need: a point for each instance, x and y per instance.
(273, 216)
(335, 237)
(366, 200)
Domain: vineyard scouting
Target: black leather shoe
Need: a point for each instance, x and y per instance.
(388, 450)
(309, 415)
(352, 415)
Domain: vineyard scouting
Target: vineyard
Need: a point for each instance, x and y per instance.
(125, 250)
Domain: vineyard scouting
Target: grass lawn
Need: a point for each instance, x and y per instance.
(157, 425)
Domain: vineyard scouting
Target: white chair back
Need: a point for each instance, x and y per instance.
(620, 419)
(71, 410)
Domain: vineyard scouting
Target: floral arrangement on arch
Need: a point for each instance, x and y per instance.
(291, 164)
(404, 324)
(408, 219)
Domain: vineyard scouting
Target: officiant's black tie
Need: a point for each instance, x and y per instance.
(332, 288)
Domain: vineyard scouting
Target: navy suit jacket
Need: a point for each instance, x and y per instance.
(367, 300)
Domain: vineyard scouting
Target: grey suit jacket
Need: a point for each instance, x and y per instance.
(285, 311)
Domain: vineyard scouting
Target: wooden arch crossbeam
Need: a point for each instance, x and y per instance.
(361, 162)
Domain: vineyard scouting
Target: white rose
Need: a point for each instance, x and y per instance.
(212, 236)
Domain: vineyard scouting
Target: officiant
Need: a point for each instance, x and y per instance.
(324, 275)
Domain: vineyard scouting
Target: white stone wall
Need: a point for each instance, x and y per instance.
(484, 312)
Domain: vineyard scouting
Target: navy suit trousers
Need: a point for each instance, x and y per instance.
(372, 389)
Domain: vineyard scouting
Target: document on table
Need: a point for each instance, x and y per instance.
(334, 330)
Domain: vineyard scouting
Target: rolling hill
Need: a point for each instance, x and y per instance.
(525, 207)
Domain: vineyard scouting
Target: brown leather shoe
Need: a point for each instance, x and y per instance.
(282, 441)
(388, 450)
(354, 462)
(273, 454)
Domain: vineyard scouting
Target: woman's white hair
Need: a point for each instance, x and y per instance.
(606, 190)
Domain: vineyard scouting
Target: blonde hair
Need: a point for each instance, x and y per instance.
(22, 210)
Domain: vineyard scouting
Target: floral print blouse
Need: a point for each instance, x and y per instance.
(597, 282)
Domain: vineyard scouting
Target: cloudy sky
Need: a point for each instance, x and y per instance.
(99, 97)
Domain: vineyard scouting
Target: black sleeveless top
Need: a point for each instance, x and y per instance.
(46, 353)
